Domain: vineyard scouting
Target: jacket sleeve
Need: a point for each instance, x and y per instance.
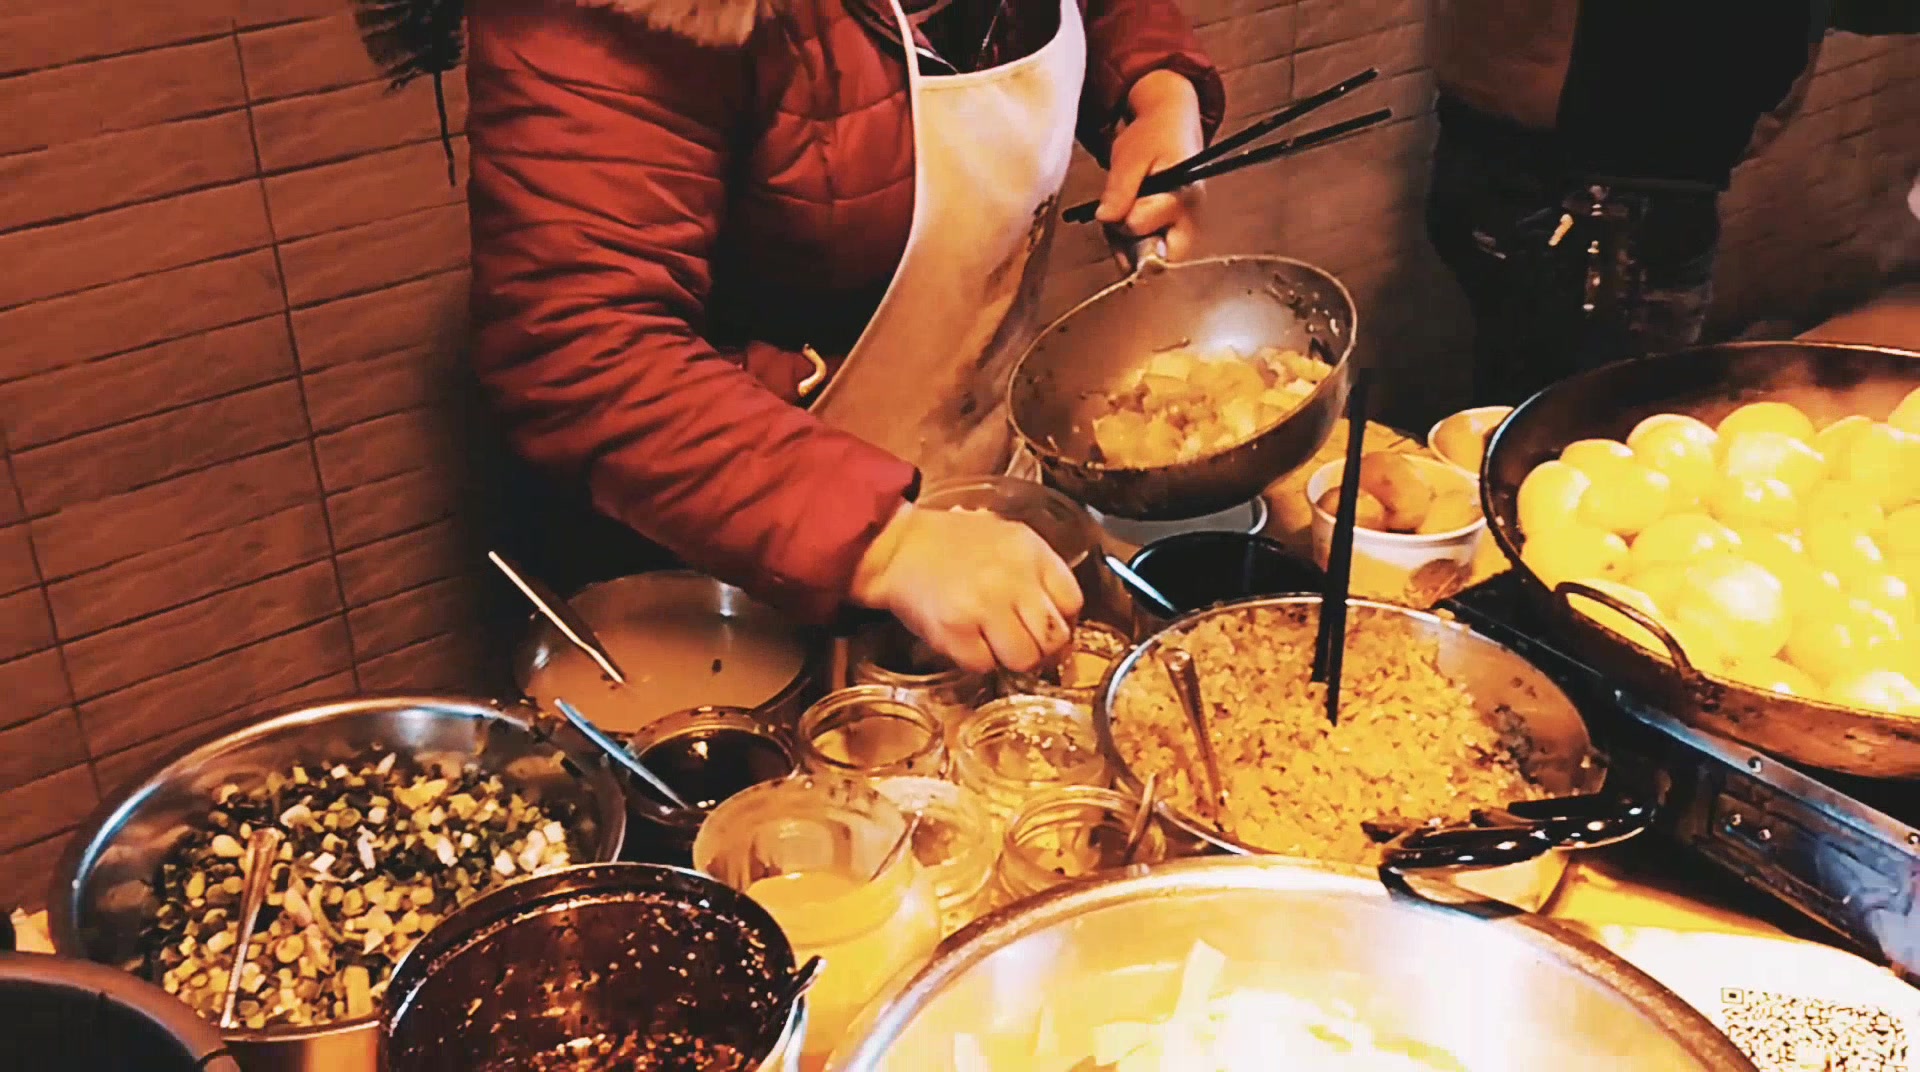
(1127, 39)
(598, 188)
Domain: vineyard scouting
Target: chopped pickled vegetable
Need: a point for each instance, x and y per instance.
(376, 852)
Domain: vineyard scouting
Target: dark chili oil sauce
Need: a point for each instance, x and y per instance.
(707, 766)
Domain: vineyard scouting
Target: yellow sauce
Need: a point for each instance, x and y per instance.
(865, 931)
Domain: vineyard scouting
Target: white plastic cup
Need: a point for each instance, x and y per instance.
(1414, 570)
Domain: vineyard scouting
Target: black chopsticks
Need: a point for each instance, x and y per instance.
(1221, 157)
(1330, 644)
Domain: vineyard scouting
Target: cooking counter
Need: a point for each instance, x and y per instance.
(1780, 984)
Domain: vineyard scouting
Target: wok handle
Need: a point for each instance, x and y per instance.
(1566, 590)
(1526, 830)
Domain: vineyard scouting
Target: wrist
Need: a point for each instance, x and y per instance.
(1162, 89)
(864, 590)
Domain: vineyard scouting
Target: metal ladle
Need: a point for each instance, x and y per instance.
(1141, 589)
(263, 847)
(1186, 686)
(1137, 834)
(619, 754)
(578, 633)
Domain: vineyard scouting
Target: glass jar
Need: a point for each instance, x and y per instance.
(958, 844)
(1011, 750)
(1071, 833)
(707, 754)
(1076, 676)
(818, 854)
(1068, 527)
(890, 657)
(869, 731)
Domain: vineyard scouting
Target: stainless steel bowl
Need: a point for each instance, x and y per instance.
(1563, 760)
(599, 951)
(684, 640)
(1244, 303)
(1513, 995)
(63, 1014)
(101, 894)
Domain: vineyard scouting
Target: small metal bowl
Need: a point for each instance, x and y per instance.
(663, 956)
(685, 640)
(707, 755)
(102, 894)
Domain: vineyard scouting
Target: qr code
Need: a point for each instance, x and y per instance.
(1793, 1034)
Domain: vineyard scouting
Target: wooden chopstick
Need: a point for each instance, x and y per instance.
(1180, 174)
(1330, 644)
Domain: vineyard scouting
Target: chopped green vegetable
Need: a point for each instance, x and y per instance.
(376, 852)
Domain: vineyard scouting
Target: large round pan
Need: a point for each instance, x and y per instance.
(1562, 759)
(1827, 380)
(1245, 303)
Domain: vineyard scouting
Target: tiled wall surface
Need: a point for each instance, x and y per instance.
(232, 294)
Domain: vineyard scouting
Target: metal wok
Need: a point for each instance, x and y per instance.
(1240, 302)
(1561, 756)
(1827, 380)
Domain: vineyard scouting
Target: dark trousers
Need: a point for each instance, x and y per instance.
(1492, 208)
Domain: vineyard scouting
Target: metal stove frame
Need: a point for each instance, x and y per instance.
(1829, 846)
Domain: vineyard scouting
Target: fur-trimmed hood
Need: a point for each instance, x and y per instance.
(720, 23)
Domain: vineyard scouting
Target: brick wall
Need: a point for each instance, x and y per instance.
(234, 425)
(231, 309)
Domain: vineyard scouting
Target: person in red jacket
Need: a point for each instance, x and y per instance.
(751, 270)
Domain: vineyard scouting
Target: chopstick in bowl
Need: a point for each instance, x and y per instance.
(1330, 643)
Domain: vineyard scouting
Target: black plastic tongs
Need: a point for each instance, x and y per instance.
(1224, 156)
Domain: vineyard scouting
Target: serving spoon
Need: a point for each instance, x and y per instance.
(263, 847)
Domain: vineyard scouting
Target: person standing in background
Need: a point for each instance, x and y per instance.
(1583, 148)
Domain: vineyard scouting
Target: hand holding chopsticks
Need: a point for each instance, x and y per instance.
(1330, 644)
(1222, 157)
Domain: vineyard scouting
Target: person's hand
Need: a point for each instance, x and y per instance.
(981, 590)
(1165, 130)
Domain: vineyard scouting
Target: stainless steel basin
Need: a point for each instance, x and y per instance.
(1518, 994)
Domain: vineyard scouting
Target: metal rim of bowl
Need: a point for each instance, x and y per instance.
(1046, 454)
(881, 1026)
(1109, 686)
(603, 880)
(524, 667)
(1433, 434)
(162, 1010)
(83, 850)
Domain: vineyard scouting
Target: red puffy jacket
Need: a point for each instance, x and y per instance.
(669, 199)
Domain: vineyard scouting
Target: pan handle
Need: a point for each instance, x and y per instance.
(1515, 834)
(1568, 589)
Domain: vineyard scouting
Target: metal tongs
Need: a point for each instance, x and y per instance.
(1521, 831)
(1224, 156)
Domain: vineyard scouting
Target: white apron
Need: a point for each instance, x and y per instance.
(927, 381)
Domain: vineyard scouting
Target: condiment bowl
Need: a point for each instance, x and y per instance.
(1476, 424)
(1415, 569)
(102, 893)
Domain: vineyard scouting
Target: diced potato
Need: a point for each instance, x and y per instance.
(1173, 364)
(1167, 390)
(1120, 436)
(1396, 481)
(1367, 512)
(1453, 509)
